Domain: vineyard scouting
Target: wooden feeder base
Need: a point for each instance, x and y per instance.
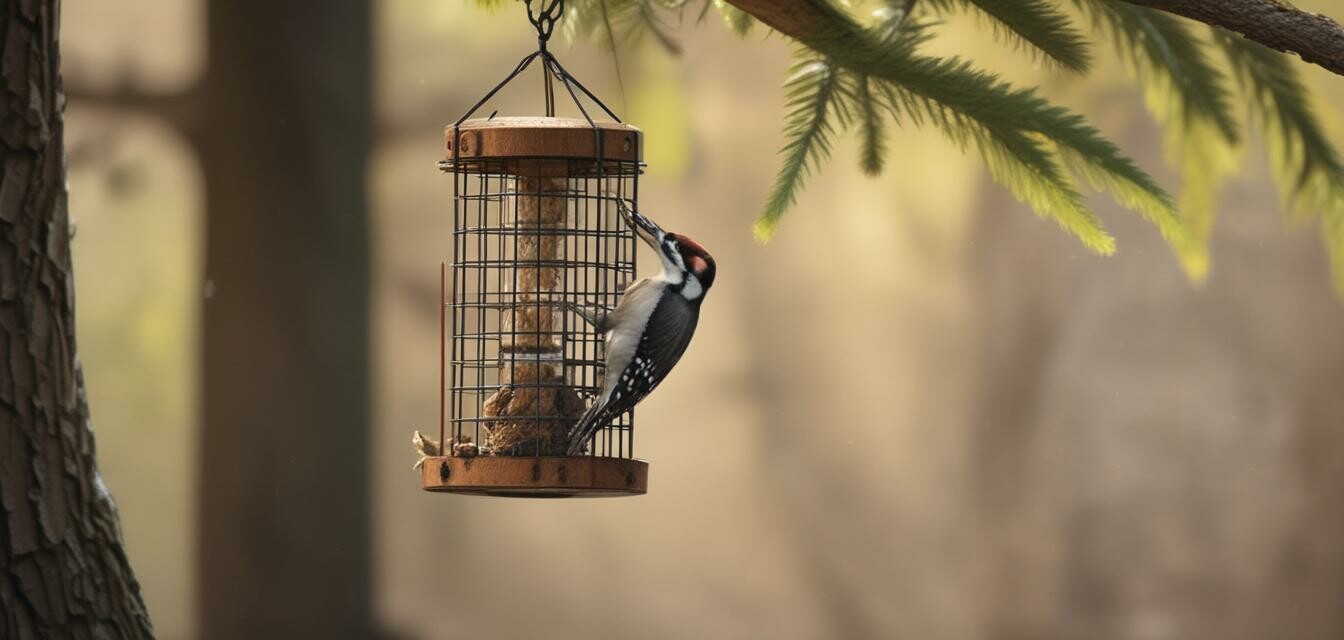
(546, 477)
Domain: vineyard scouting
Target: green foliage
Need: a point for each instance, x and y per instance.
(1017, 157)
(1168, 57)
(738, 20)
(1023, 139)
(1036, 25)
(1187, 93)
(872, 128)
(868, 76)
(1307, 166)
(620, 23)
(815, 105)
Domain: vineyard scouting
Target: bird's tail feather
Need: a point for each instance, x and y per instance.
(596, 417)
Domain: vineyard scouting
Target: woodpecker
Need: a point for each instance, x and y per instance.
(651, 327)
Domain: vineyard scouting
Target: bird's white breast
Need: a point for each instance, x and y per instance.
(623, 337)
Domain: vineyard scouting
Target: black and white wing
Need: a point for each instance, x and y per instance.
(637, 361)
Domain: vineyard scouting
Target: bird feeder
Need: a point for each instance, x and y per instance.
(536, 233)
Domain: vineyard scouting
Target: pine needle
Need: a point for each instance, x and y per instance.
(1306, 165)
(1205, 160)
(739, 21)
(814, 100)
(622, 22)
(872, 130)
(1035, 25)
(1188, 95)
(1017, 159)
(997, 107)
(1170, 60)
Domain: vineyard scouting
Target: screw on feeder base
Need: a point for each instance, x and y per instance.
(586, 477)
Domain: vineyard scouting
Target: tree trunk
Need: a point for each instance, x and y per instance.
(65, 572)
(284, 490)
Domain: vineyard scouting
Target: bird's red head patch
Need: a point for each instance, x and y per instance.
(697, 259)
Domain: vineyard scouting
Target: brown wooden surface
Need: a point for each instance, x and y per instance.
(532, 137)
(546, 477)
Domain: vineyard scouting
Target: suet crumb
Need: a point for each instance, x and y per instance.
(427, 448)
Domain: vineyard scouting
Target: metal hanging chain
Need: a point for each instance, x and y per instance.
(544, 21)
(543, 18)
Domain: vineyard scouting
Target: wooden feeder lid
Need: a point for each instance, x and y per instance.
(542, 477)
(504, 144)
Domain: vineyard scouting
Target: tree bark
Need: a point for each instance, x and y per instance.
(1316, 38)
(64, 569)
(285, 508)
(797, 19)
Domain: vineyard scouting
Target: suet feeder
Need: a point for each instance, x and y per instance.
(536, 231)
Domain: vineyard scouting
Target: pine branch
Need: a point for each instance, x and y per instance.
(872, 130)
(622, 22)
(1168, 57)
(1272, 23)
(738, 21)
(654, 23)
(1033, 24)
(1205, 161)
(610, 31)
(1316, 38)
(1309, 170)
(814, 93)
(1018, 159)
(1188, 95)
(1003, 122)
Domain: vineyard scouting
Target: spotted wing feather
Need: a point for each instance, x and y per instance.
(661, 345)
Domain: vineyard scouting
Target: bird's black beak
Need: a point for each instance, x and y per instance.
(644, 227)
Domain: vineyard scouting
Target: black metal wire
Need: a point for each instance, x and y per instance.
(544, 20)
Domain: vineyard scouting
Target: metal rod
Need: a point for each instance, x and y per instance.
(443, 356)
(565, 75)
(517, 70)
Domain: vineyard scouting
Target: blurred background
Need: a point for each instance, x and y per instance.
(919, 412)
